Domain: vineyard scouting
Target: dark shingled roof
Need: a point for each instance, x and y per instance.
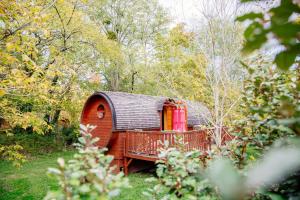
(137, 111)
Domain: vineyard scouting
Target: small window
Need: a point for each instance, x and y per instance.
(100, 111)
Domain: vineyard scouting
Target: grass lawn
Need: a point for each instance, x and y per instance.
(31, 181)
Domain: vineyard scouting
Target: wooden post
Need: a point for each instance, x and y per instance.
(126, 165)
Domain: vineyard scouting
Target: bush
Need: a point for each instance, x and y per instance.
(12, 153)
(89, 174)
(179, 174)
(34, 144)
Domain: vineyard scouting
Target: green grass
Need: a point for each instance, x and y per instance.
(138, 185)
(31, 181)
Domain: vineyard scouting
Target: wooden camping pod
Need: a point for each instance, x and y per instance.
(130, 125)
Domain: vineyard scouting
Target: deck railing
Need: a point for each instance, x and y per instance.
(148, 143)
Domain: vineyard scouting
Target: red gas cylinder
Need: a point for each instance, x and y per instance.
(182, 118)
(179, 119)
(175, 119)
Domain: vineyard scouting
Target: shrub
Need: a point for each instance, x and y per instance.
(33, 144)
(89, 174)
(179, 174)
(262, 180)
(12, 153)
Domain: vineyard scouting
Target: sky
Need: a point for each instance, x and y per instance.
(189, 11)
(181, 10)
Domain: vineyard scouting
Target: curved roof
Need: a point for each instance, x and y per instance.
(137, 111)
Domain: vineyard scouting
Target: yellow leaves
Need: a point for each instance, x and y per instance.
(201, 60)
(181, 70)
(53, 50)
(297, 20)
(46, 33)
(2, 92)
(180, 37)
(32, 119)
(10, 46)
(12, 153)
(25, 58)
(252, 158)
(29, 91)
(7, 58)
(109, 49)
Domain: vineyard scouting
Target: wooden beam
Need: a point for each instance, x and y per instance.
(142, 157)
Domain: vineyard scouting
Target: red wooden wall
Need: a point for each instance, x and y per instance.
(104, 125)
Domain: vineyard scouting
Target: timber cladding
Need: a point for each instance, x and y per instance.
(104, 126)
(117, 114)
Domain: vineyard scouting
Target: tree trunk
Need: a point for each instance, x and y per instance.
(56, 116)
(133, 81)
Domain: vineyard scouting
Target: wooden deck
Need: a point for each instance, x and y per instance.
(145, 145)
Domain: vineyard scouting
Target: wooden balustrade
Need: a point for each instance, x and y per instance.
(145, 145)
(148, 143)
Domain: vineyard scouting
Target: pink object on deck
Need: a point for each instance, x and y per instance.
(179, 119)
(182, 118)
(175, 119)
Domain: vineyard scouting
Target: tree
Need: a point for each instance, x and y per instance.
(220, 40)
(133, 25)
(49, 50)
(19, 68)
(268, 99)
(46, 62)
(75, 51)
(178, 68)
(280, 20)
(273, 96)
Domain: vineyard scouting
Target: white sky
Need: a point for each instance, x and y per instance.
(188, 11)
(181, 10)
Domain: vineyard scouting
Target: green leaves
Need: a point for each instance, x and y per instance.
(179, 174)
(281, 14)
(286, 32)
(285, 59)
(270, 104)
(255, 36)
(81, 140)
(254, 43)
(88, 175)
(251, 16)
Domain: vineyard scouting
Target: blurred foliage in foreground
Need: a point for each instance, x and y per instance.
(280, 23)
(182, 175)
(179, 174)
(89, 174)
